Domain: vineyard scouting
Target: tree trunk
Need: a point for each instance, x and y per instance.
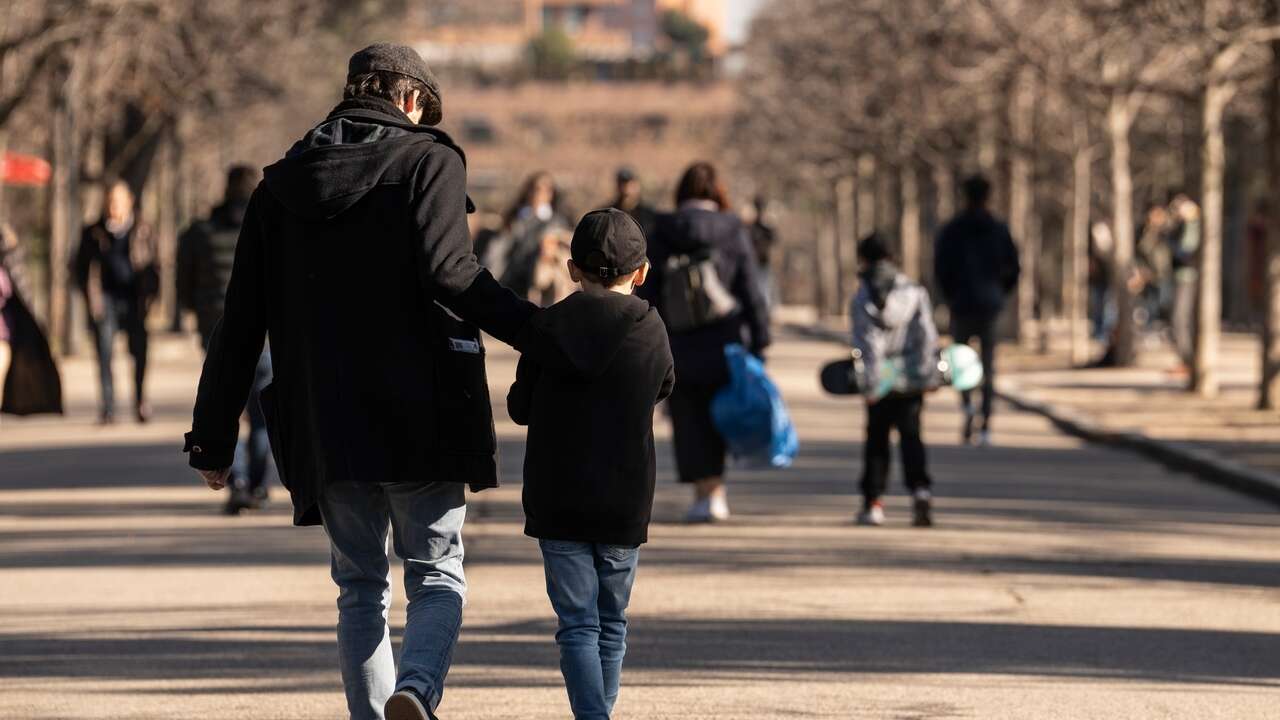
(1269, 386)
(1021, 205)
(944, 184)
(887, 199)
(1204, 366)
(867, 219)
(1076, 253)
(1119, 123)
(847, 241)
(828, 262)
(64, 211)
(910, 222)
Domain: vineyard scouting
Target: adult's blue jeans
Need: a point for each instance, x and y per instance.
(590, 587)
(119, 313)
(425, 521)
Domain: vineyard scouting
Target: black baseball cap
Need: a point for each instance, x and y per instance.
(608, 243)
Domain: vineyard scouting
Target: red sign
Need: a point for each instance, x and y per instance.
(25, 170)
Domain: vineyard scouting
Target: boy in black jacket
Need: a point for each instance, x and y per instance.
(587, 388)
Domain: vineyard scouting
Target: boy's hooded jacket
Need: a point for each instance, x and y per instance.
(893, 318)
(586, 387)
(347, 247)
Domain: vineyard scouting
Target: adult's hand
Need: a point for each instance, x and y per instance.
(216, 479)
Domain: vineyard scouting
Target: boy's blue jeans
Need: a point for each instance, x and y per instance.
(590, 587)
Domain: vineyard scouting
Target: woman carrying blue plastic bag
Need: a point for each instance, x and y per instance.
(705, 285)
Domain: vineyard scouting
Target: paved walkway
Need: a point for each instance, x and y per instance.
(1063, 581)
(1151, 400)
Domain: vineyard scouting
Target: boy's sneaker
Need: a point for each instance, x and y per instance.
(407, 704)
(922, 509)
(984, 438)
(872, 515)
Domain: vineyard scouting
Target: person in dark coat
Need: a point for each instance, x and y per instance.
(976, 266)
(206, 253)
(355, 261)
(629, 198)
(29, 380)
(703, 226)
(587, 390)
(117, 268)
(534, 229)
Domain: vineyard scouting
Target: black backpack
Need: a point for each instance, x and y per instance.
(692, 294)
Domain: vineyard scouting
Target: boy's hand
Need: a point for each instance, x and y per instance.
(216, 479)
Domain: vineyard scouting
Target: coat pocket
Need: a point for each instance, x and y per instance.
(275, 432)
(464, 415)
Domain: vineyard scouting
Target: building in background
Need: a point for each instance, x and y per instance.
(497, 32)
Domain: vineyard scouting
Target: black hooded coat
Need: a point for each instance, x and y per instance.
(586, 387)
(350, 250)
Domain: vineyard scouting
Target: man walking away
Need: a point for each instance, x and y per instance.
(206, 253)
(117, 269)
(351, 250)
(629, 199)
(976, 266)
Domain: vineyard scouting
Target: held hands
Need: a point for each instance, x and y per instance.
(216, 479)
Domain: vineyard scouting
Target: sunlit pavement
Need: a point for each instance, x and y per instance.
(1062, 581)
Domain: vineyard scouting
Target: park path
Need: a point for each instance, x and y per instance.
(1063, 581)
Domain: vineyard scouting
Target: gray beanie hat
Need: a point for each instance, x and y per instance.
(400, 59)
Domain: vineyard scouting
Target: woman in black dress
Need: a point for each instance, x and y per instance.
(703, 230)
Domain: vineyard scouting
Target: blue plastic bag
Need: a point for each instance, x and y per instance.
(751, 416)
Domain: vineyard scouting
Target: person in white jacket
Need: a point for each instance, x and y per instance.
(895, 337)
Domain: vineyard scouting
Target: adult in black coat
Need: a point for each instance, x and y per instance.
(352, 248)
(976, 266)
(703, 225)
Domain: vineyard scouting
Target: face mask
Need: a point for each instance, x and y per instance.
(543, 212)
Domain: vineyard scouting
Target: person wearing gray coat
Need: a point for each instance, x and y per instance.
(895, 337)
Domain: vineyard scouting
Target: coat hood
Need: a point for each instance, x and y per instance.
(695, 229)
(889, 291)
(582, 334)
(340, 160)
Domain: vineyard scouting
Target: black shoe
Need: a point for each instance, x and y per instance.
(238, 499)
(407, 704)
(143, 412)
(966, 434)
(922, 510)
(107, 418)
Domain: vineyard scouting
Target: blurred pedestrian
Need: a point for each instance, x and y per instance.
(976, 266)
(705, 286)
(763, 238)
(1184, 243)
(29, 381)
(117, 268)
(206, 256)
(589, 465)
(1152, 280)
(893, 323)
(534, 229)
(351, 249)
(629, 198)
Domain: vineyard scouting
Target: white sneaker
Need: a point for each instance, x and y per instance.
(872, 516)
(984, 438)
(719, 508)
(699, 512)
